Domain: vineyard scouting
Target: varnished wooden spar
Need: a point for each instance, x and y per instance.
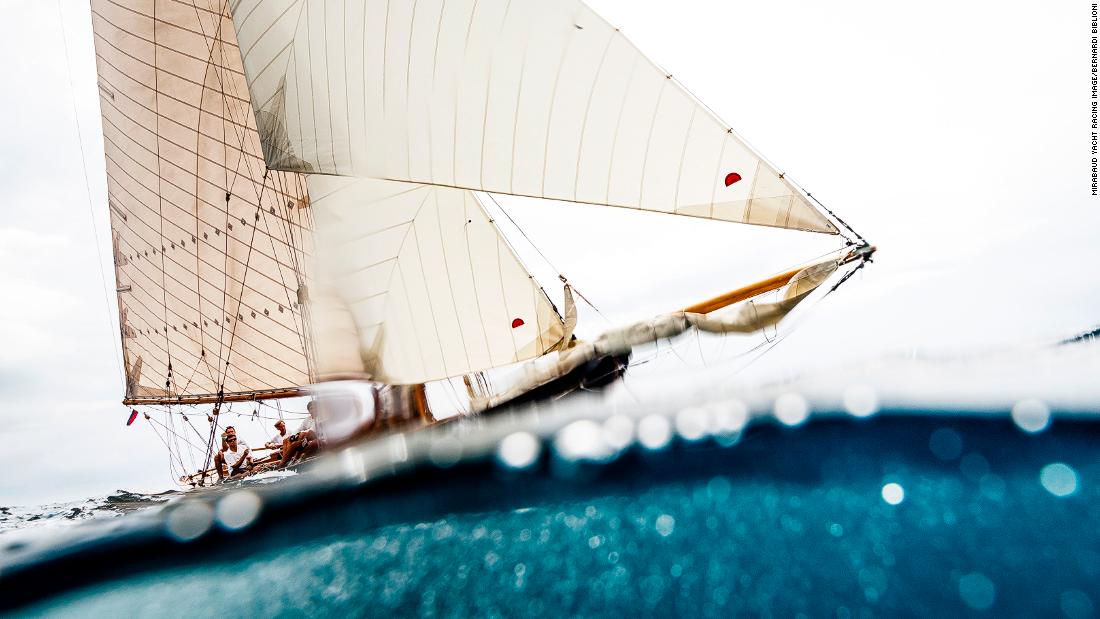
(774, 282)
(745, 292)
(211, 398)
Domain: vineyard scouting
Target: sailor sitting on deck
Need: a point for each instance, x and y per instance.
(277, 441)
(275, 445)
(236, 456)
(303, 443)
(228, 430)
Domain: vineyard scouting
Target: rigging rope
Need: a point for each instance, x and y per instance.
(198, 132)
(835, 216)
(244, 279)
(210, 440)
(196, 430)
(172, 432)
(171, 466)
(561, 276)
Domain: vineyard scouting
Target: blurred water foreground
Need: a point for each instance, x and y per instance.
(906, 487)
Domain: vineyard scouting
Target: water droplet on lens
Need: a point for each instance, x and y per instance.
(691, 423)
(1031, 415)
(665, 525)
(791, 409)
(977, 591)
(1076, 604)
(445, 452)
(718, 489)
(582, 440)
(729, 418)
(519, 450)
(974, 465)
(1059, 479)
(946, 444)
(189, 521)
(893, 493)
(654, 432)
(992, 487)
(860, 401)
(238, 510)
(618, 431)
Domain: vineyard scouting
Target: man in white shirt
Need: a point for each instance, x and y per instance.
(303, 443)
(236, 456)
(276, 441)
(275, 444)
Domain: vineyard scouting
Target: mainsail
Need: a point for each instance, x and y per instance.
(523, 97)
(210, 246)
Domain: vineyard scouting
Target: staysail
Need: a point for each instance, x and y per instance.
(416, 283)
(521, 97)
(210, 246)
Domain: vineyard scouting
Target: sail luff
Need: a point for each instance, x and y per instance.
(506, 99)
(209, 243)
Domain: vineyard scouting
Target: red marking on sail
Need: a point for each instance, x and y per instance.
(133, 416)
(518, 322)
(732, 178)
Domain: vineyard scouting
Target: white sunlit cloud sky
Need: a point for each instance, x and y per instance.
(954, 136)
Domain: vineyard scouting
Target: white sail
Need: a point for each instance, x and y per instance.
(525, 97)
(208, 245)
(415, 283)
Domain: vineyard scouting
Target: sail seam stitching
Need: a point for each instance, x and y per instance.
(427, 293)
(553, 101)
(160, 209)
(473, 274)
(450, 282)
(587, 109)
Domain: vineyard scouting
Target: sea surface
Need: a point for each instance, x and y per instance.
(71, 512)
(797, 501)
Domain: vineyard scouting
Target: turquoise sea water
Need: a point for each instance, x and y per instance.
(890, 516)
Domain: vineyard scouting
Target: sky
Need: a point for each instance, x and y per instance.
(954, 136)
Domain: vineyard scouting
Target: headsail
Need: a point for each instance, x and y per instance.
(209, 246)
(415, 283)
(522, 97)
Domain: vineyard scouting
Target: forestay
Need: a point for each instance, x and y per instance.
(208, 245)
(522, 97)
(415, 283)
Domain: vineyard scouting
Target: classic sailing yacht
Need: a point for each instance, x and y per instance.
(296, 194)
